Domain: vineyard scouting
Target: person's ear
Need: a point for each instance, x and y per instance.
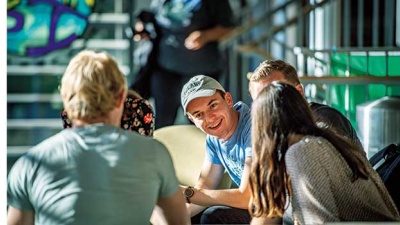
(300, 88)
(229, 99)
(121, 98)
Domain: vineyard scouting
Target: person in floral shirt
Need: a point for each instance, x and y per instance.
(138, 115)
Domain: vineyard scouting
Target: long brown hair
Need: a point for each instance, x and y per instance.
(279, 112)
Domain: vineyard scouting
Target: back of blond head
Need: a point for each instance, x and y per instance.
(90, 85)
(268, 66)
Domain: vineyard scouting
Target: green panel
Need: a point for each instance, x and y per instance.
(376, 91)
(377, 65)
(358, 94)
(394, 68)
(394, 90)
(358, 65)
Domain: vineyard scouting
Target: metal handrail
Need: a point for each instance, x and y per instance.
(245, 28)
(367, 51)
(350, 80)
(305, 50)
(255, 50)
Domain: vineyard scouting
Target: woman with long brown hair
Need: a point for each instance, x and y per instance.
(323, 175)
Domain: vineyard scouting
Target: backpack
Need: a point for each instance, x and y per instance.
(387, 163)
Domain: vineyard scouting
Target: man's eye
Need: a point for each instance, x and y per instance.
(213, 106)
(198, 115)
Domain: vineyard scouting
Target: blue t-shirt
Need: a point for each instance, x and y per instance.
(233, 152)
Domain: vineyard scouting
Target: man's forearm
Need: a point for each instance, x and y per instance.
(229, 197)
(216, 33)
(194, 209)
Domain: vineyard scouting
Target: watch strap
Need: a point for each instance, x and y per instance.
(188, 197)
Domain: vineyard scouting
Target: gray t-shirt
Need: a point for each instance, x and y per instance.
(98, 174)
(323, 191)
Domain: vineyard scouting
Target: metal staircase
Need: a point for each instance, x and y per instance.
(33, 101)
(328, 41)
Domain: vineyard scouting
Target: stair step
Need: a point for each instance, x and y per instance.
(33, 98)
(32, 123)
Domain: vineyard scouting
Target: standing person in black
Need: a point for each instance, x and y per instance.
(278, 70)
(188, 34)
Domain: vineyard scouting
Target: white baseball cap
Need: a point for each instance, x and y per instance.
(199, 86)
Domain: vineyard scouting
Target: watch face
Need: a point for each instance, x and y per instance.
(188, 192)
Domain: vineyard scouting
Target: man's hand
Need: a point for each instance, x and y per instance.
(196, 40)
(140, 32)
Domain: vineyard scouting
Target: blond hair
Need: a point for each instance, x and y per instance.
(268, 66)
(91, 85)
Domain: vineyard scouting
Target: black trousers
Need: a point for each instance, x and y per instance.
(222, 215)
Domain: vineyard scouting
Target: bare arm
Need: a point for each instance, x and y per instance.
(238, 197)
(210, 176)
(197, 39)
(173, 209)
(264, 220)
(20, 217)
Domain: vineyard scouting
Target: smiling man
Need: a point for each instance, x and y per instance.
(228, 147)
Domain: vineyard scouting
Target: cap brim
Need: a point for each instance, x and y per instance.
(199, 94)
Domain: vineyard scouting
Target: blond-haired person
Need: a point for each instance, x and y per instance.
(279, 70)
(96, 172)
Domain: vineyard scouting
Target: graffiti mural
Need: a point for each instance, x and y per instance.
(37, 27)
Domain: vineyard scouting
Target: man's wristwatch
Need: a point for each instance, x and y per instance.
(188, 192)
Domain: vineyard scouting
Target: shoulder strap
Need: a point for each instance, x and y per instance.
(386, 153)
